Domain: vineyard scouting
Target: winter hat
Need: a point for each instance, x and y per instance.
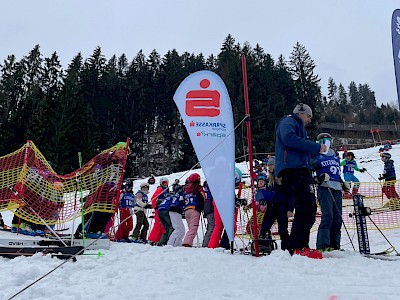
(302, 109)
(271, 161)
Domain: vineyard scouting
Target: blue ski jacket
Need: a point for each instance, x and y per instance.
(293, 149)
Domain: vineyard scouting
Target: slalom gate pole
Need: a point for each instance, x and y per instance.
(250, 150)
(341, 217)
(64, 262)
(81, 198)
(36, 214)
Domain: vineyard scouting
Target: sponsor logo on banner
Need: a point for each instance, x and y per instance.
(203, 103)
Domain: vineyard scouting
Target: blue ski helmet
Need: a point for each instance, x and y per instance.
(262, 177)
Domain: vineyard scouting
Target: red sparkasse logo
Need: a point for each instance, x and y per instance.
(203, 103)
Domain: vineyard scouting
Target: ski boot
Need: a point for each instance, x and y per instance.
(311, 253)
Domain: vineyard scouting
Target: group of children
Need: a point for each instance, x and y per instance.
(331, 188)
(184, 201)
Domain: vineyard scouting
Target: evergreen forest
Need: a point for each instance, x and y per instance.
(97, 102)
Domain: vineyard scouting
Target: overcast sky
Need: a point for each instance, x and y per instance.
(349, 40)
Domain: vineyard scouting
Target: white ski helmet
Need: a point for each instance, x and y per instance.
(164, 179)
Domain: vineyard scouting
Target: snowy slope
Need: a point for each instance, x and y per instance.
(132, 271)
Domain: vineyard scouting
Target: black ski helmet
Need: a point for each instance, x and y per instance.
(386, 155)
(350, 154)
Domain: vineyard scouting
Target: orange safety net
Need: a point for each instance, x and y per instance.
(57, 198)
(382, 198)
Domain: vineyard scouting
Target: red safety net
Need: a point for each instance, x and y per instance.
(57, 198)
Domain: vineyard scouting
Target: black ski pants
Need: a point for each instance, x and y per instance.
(299, 188)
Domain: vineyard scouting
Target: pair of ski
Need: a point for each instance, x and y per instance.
(360, 214)
(58, 251)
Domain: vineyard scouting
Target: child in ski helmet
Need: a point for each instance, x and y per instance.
(389, 177)
(126, 203)
(328, 180)
(141, 205)
(161, 193)
(349, 165)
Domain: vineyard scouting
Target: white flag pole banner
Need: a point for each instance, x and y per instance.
(204, 104)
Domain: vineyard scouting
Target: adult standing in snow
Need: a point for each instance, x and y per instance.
(293, 152)
(328, 179)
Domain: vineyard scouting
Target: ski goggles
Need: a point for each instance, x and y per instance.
(324, 140)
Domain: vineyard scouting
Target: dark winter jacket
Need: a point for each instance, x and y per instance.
(292, 148)
(271, 195)
(208, 202)
(389, 173)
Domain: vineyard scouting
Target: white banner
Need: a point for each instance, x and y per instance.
(205, 107)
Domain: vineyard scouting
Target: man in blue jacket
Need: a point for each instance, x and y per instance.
(293, 152)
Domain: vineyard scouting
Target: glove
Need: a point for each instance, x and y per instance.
(381, 177)
(363, 170)
(346, 186)
(321, 178)
(148, 206)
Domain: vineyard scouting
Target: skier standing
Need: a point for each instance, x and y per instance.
(327, 168)
(161, 193)
(389, 175)
(194, 204)
(175, 215)
(126, 202)
(141, 205)
(349, 165)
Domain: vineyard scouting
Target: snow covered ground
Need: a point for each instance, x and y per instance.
(134, 271)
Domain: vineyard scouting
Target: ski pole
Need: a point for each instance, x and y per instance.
(373, 177)
(36, 214)
(383, 235)
(60, 265)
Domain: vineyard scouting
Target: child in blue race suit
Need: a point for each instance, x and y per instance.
(349, 165)
(327, 168)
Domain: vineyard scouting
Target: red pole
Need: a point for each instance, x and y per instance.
(250, 150)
